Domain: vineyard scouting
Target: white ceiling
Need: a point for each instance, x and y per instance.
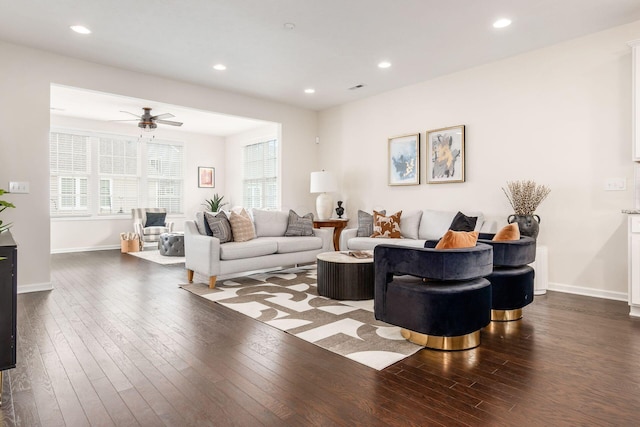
(335, 45)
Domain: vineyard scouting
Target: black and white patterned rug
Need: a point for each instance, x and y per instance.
(288, 300)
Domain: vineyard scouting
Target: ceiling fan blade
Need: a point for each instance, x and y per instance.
(136, 115)
(169, 122)
(162, 116)
(125, 120)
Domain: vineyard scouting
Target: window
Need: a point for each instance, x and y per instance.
(70, 168)
(260, 186)
(96, 174)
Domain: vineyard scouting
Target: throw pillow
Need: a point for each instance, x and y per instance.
(458, 240)
(461, 222)
(299, 225)
(202, 224)
(220, 226)
(508, 232)
(242, 226)
(155, 219)
(365, 223)
(386, 226)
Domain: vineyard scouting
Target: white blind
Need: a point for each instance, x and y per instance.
(261, 175)
(70, 168)
(165, 176)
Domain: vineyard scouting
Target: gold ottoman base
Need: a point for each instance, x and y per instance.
(461, 342)
(506, 315)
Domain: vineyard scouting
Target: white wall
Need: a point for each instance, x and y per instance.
(76, 234)
(560, 116)
(25, 78)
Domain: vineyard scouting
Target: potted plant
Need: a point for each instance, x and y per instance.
(214, 204)
(524, 197)
(4, 205)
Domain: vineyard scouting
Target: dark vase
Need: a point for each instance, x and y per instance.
(340, 209)
(529, 225)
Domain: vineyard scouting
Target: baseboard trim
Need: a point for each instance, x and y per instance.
(34, 287)
(588, 292)
(88, 249)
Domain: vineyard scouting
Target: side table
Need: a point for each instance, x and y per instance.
(337, 223)
(344, 277)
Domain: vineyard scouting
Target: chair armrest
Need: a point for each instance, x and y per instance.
(326, 234)
(169, 225)
(137, 227)
(202, 253)
(347, 233)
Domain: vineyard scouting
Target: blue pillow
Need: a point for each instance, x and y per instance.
(155, 219)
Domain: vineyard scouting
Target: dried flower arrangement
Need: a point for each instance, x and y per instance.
(525, 196)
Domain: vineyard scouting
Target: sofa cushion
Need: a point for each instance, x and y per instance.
(242, 226)
(269, 223)
(220, 226)
(461, 222)
(508, 232)
(410, 224)
(458, 240)
(386, 227)
(369, 243)
(202, 225)
(365, 223)
(299, 225)
(248, 249)
(155, 219)
(288, 245)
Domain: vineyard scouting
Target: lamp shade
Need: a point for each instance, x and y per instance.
(322, 182)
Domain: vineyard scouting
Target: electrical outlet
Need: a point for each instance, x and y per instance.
(18, 187)
(615, 184)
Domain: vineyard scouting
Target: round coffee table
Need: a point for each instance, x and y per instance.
(345, 277)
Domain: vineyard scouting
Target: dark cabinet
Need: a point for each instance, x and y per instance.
(8, 292)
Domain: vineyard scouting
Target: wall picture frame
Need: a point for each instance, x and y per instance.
(404, 160)
(446, 158)
(206, 177)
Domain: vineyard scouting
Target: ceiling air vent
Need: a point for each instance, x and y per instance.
(360, 86)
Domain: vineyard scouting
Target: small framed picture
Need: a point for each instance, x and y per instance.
(404, 160)
(206, 177)
(445, 161)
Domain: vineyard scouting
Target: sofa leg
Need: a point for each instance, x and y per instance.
(190, 276)
(212, 282)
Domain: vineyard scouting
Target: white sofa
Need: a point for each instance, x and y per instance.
(270, 249)
(416, 227)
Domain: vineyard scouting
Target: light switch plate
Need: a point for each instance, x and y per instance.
(18, 187)
(615, 184)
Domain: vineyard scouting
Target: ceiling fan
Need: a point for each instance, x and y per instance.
(149, 122)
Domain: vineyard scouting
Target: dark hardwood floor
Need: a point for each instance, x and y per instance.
(119, 343)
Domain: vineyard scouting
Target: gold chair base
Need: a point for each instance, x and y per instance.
(506, 315)
(461, 342)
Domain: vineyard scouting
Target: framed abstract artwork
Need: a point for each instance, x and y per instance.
(206, 177)
(445, 161)
(404, 160)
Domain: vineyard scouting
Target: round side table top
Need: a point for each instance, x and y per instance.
(344, 257)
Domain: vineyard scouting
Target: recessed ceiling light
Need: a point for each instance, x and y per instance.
(220, 67)
(289, 26)
(501, 23)
(310, 90)
(80, 29)
(384, 64)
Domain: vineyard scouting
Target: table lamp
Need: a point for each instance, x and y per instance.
(323, 183)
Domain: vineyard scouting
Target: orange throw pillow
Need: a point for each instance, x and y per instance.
(386, 226)
(458, 239)
(508, 232)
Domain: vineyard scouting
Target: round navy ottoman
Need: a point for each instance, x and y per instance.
(171, 244)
